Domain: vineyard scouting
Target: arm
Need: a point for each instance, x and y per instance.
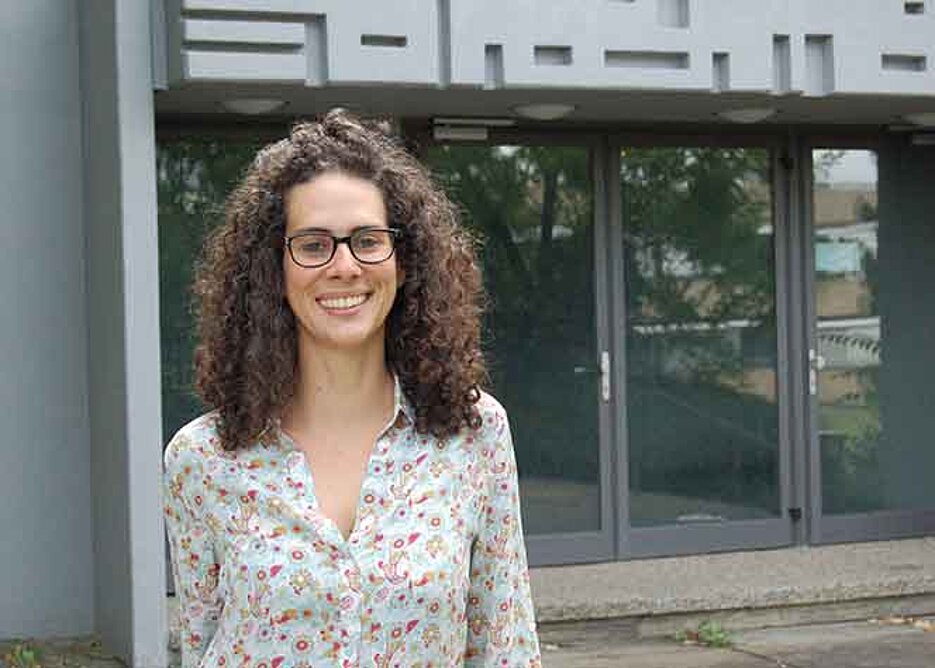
(501, 622)
(194, 565)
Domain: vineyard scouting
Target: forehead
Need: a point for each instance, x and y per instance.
(334, 201)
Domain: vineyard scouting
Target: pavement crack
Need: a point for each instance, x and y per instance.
(778, 663)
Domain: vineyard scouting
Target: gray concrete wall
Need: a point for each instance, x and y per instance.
(775, 46)
(46, 571)
(123, 326)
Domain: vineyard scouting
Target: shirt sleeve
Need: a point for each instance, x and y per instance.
(501, 621)
(194, 565)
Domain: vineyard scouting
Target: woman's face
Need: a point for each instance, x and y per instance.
(344, 303)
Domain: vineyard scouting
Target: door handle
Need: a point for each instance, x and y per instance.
(605, 375)
(816, 363)
(603, 368)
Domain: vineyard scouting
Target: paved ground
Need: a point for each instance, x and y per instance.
(784, 580)
(896, 643)
(891, 644)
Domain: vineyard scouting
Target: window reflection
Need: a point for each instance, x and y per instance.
(194, 175)
(701, 342)
(531, 207)
(848, 329)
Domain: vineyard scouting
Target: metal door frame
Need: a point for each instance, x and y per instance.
(852, 527)
(587, 546)
(672, 540)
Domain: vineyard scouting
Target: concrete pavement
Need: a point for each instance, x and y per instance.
(613, 644)
(865, 644)
(825, 583)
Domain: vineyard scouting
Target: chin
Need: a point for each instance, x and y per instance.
(347, 340)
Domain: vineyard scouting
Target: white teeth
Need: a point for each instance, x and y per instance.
(343, 302)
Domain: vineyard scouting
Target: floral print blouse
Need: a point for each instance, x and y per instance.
(433, 574)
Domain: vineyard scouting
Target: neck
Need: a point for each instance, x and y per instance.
(336, 386)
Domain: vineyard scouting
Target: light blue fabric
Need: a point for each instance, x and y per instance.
(433, 573)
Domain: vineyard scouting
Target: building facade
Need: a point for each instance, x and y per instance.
(706, 229)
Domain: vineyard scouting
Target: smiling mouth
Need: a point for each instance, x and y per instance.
(343, 303)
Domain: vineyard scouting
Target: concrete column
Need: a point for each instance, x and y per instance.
(123, 350)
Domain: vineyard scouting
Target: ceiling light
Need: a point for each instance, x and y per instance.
(544, 112)
(924, 118)
(747, 114)
(253, 106)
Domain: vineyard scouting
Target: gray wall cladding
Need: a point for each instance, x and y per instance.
(46, 576)
(779, 46)
(123, 327)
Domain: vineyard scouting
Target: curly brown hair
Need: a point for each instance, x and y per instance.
(246, 359)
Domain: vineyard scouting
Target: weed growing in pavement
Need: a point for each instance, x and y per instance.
(708, 634)
(23, 655)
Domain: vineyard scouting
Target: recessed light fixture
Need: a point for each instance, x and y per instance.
(545, 111)
(747, 114)
(253, 106)
(925, 119)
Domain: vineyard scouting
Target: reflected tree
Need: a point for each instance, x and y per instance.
(194, 176)
(701, 328)
(531, 209)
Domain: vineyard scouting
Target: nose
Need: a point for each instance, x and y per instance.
(344, 263)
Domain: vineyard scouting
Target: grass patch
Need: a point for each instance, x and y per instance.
(708, 634)
(23, 655)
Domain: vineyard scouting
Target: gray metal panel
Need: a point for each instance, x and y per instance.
(876, 526)
(796, 282)
(782, 167)
(572, 548)
(46, 559)
(695, 539)
(809, 406)
(601, 178)
(617, 302)
(123, 351)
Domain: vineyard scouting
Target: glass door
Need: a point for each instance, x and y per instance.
(533, 209)
(871, 348)
(704, 408)
(845, 360)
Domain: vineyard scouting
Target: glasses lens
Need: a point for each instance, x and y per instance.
(372, 245)
(312, 249)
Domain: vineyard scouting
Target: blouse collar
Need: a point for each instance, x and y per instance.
(401, 403)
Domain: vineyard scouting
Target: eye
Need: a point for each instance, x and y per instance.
(368, 239)
(313, 245)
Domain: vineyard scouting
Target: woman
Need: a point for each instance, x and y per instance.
(351, 499)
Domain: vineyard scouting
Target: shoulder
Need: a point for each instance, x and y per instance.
(496, 444)
(193, 445)
(492, 414)
(494, 429)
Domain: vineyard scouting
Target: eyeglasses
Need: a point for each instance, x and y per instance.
(369, 245)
